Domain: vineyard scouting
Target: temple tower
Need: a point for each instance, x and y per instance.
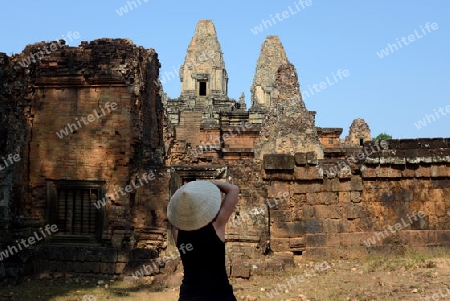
(204, 80)
(195, 118)
(288, 127)
(272, 56)
(358, 134)
(203, 73)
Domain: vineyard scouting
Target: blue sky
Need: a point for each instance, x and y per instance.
(391, 93)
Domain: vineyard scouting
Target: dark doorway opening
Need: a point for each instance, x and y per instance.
(202, 88)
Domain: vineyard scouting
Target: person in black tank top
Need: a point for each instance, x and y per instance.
(198, 216)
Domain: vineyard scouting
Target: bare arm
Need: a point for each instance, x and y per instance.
(228, 204)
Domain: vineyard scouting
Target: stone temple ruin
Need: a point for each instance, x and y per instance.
(99, 148)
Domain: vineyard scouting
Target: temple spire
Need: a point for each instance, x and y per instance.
(271, 57)
(288, 126)
(203, 73)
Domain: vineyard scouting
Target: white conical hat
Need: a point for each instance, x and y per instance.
(194, 205)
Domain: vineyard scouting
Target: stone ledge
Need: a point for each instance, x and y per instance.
(408, 144)
(237, 150)
(334, 253)
(370, 240)
(423, 170)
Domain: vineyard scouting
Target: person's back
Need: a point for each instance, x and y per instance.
(198, 216)
(204, 263)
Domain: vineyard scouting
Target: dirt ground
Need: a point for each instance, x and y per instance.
(411, 276)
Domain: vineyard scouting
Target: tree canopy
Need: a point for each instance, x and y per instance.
(382, 136)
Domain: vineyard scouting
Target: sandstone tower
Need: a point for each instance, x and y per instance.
(203, 74)
(288, 127)
(204, 88)
(197, 118)
(358, 134)
(271, 57)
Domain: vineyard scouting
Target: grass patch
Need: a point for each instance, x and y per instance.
(82, 289)
(410, 260)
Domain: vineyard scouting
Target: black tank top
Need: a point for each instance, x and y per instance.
(205, 276)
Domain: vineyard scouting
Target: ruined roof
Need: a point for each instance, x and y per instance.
(329, 130)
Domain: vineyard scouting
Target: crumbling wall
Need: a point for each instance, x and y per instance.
(247, 234)
(87, 113)
(393, 198)
(14, 131)
(88, 104)
(148, 209)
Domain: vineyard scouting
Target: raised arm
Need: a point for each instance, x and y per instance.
(228, 204)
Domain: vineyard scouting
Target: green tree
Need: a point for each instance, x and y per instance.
(382, 136)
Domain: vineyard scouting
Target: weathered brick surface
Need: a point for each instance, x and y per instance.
(288, 229)
(339, 212)
(15, 120)
(240, 268)
(278, 162)
(94, 114)
(297, 244)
